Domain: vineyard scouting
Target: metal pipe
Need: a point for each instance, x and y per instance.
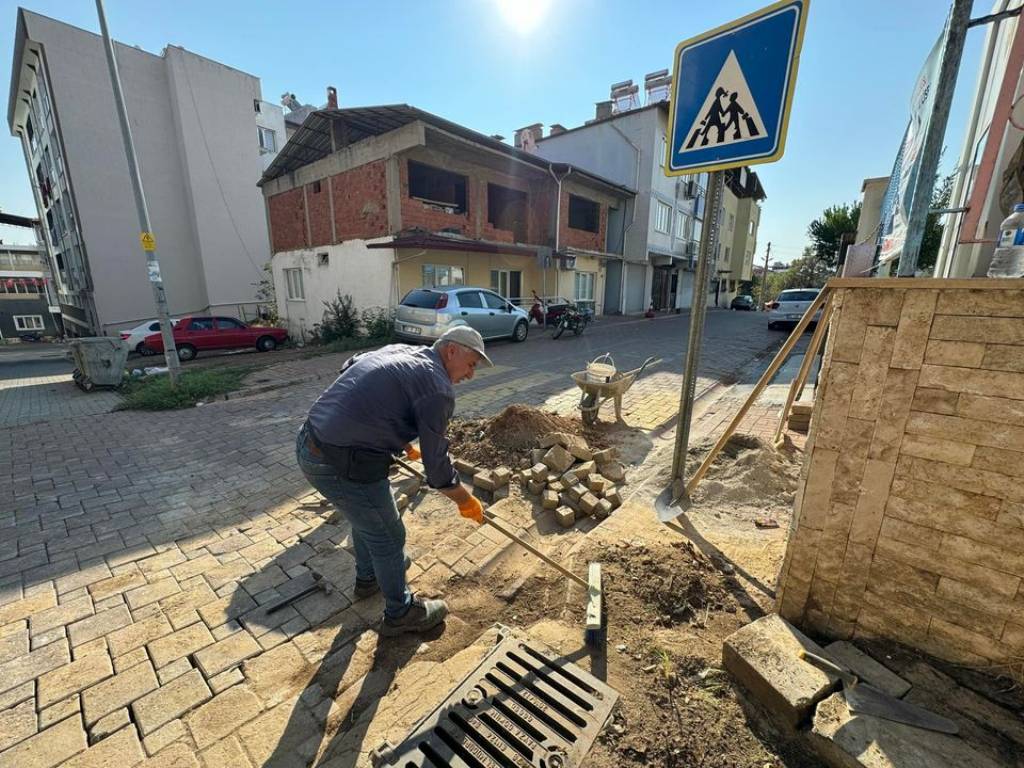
(146, 236)
(558, 220)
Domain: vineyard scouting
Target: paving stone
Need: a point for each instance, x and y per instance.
(14, 645)
(31, 665)
(227, 653)
(118, 691)
(60, 711)
(82, 578)
(226, 608)
(22, 609)
(137, 635)
(222, 715)
(159, 740)
(61, 614)
(130, 659)
(565, 516)
(45, 638)
(179, 644)
(225, 680)
(151, 593)
(71, 678)
(848, 655)
(17, 695)
(173, 670)
(121, 749)
(557, 459)
(48, 748)
(162, 561)
(287, 729)
(178, 755)
(17, 724)
(278, 674)
(108, 724)
(764, 656)
(116, 585)
(103, 623)
(845, 740)
(227, 752)
(170, 701)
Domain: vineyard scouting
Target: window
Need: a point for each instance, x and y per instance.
(663, 218)
(201, 324)
(315, 187)
(437, 187)
(682, 225)
(323, 259)
(470, 300)
(506, 209)
(442, 274)
(495, 302)
(28, 322)
(664, 151)
(268, 139)
(31, 133)
(256, 106)
(751, 228)
(228, 324)
(584, 214)
(585, 286)
(725, 257)
(293, 280)
(698, 229)
(732, 221)
(21, 285)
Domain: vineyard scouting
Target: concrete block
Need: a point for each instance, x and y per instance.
(568, 501)
(558, 486)
(866, 668)
(574, 444)
(401, 501)
(570, 478)
(844, 740)
(537, 455)
(597, 484)
(552, 477)
(539, 471)
(565, 516)
(465, 467)
(602, 509)
(501, 476)
(584, 469)
(764, 658)
(588, 502)
(612, 470)
(485, 479)
(614, 497)
(606, 455)
(576, 491)
(558, 459)
(536, 487)
(549, 500)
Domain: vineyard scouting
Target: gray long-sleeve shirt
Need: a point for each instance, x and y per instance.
(384, 400)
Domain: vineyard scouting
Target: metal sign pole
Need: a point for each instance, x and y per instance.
(146, 237)
(708, 249)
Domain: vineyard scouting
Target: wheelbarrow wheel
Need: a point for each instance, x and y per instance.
(588, 407)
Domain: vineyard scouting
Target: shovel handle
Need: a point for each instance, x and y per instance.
(849, 679)
(491, 520)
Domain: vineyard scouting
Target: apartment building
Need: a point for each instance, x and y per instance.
(737, 242)
(375, 201)
(203, 136)
(27, 300)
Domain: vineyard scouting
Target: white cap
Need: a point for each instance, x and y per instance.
(465, 336)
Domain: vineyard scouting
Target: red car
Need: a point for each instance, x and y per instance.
(193, 334)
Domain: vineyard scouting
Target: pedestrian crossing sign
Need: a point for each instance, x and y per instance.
(732, 89)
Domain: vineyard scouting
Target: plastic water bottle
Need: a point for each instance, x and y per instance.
(1008, 260)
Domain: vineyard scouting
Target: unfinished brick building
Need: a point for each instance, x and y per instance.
(376, 201)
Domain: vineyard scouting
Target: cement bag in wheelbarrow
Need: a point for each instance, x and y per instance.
(99, 361)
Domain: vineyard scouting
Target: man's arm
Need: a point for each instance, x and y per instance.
(432, 414)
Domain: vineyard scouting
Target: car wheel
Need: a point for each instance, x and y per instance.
(142, 349)
(266, 344)
(521, 331)
(186, 352)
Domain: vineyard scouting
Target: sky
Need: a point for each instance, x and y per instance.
(497, 65)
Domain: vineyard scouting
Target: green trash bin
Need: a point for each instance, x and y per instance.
(99, 361)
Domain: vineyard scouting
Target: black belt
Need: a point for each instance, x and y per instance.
(360, 465)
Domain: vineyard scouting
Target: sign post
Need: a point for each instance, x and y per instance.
(732, 89)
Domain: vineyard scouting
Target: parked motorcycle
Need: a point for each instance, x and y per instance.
(572, 318)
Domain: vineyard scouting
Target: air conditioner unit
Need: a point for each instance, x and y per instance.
(688, 189)
(690, 249)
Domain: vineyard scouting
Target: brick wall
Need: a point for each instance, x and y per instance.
(909, 518)
(318, 208)
(287, 221)
(360, 201)
(578, 238)
(418, 214)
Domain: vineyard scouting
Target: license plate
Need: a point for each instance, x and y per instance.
(794, 317)
(412, 329)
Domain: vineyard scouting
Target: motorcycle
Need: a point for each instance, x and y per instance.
(572, 318)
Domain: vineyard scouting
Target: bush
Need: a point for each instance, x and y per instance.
(377, 322)
(155, 393)
(267, 298)
(340, 321)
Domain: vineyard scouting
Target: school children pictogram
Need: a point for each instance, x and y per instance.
(729, 114)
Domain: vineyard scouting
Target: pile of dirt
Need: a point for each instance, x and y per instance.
(503, 439)
(747, 473)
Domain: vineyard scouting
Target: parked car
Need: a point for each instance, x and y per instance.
(790, 306)
(425, 313)
(195, 334)
(136, 337)
(742, 303)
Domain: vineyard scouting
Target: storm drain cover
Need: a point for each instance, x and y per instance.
(522, 707)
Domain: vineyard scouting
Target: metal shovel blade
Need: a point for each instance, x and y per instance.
(862, 699)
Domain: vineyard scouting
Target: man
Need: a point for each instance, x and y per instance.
(380, 403)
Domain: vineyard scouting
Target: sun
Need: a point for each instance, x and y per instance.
(523, 15)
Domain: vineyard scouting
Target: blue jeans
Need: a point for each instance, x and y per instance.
(378, 533)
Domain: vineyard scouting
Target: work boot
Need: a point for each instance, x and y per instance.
(368, 587)
(422, 615)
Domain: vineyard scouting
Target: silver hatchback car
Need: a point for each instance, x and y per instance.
(425, 313)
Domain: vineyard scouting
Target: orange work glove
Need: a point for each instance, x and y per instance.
(412, 453)
(472, 509)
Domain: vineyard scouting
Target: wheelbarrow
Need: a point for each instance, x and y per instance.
(596, 392)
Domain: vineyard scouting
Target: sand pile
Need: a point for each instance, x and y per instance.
(748, 473)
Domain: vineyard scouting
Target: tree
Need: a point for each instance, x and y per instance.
(932, 238)
(267, 298)
(827, 230)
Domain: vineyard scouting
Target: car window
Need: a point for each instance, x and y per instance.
(154, 326)
(470, 299)
(495, 302)
(420, 298)
(201, 324)
(798, 296)
(228, 324)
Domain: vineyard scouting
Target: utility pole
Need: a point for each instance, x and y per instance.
(764, 276)
(146, 237)
(708, 246)
(931, 149)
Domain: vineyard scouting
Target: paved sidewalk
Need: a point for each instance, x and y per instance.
(28, 400)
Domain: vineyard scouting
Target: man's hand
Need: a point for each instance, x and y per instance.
(472, 509)
(412, 453)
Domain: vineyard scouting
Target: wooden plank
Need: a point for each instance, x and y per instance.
(975, 284)
(773, 368)
(797, 385)
(594, 597)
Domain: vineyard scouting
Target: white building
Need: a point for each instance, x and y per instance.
(203, 135)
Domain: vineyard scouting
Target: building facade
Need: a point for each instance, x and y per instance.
(203, 136)
(28, 304)
(626, 143)
(373, 202)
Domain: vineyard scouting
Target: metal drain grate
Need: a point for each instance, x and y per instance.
(522, 707)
